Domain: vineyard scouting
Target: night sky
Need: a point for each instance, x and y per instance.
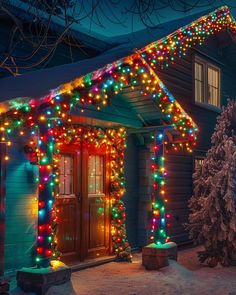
(130, 24)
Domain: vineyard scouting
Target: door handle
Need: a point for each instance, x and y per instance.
(79, 197)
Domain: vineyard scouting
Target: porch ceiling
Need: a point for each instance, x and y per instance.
(143, 106)
(129, 108)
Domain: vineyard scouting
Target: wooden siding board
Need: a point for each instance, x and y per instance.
(178, 190)
(21, 209)
(131, 195)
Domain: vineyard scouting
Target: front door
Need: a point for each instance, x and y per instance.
(68, 207)
(83, 204)
(97, 203)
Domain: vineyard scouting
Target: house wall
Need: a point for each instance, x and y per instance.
(131, 197)
(179, 168)
(21, 209)
(145, 204)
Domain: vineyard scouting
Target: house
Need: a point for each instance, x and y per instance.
(76, 136)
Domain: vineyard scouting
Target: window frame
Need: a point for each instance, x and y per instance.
(206, 65)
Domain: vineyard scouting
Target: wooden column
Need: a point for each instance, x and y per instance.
(45, 195)
(158, 192)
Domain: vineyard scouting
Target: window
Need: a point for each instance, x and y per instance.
(66, 186)
(198, 161)
(199, 85)
(207, 83)
(95, 174)
(213, 86)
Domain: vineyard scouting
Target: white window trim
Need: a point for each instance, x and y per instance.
(207, 65)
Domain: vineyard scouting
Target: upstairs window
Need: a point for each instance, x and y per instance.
(207, 83)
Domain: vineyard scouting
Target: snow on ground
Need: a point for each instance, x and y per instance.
(123, 278)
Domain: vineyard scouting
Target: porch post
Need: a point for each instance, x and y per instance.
(45, 194)
(156, 254)
(158, 230)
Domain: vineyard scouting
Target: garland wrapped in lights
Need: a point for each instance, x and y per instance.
(158, 228)
(97, 89)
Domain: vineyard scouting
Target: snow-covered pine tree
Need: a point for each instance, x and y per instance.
(212, 219)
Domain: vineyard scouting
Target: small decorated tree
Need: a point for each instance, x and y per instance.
(212, 219)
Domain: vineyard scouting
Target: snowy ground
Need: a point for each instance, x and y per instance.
(185, 277)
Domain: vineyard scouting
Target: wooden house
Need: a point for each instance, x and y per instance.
(104, 149)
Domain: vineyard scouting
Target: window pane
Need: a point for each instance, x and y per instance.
(198, 163)
(95, 174)
(91, 186)
(66, 175)
(199, 84)
(213, 86)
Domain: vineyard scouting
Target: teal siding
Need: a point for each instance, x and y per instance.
(21, 210)
(131, 197)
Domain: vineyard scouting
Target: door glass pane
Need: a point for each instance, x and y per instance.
(97, 204)
(66, 175)
(95, 174)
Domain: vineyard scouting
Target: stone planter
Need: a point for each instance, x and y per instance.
(156, 256)
(40, 280)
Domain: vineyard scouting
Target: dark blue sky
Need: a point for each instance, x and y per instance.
(113, 20)
(130, 24)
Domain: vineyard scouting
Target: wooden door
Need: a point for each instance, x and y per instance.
(68, 207)
(83, 204)
(95, 182)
